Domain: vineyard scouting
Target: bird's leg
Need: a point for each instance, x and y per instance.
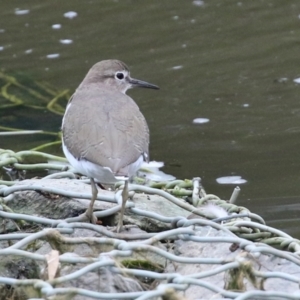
(90, 211)
(125, 196)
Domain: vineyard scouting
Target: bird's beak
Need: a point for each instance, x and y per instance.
(143, 84)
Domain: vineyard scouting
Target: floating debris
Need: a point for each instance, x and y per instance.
(200, 120)
(56, 26)
(66, 41)
(231, 180)
(198, 3)
(54, 55)
(297, 80)
(20, 12)
(177, 67)
(70, 14)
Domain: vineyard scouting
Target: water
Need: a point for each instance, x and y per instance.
(231, 62)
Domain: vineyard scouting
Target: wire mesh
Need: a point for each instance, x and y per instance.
(198, 256)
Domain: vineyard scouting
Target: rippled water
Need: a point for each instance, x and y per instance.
(233, 64)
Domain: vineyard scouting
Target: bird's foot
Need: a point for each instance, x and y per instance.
(89, 216)
(119, 227)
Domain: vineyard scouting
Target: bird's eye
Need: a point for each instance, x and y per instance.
(120, 75)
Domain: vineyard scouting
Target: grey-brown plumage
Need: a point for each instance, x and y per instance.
(104, 133)
(102, 124)
(99, 129)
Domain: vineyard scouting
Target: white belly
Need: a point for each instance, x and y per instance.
(101, 173)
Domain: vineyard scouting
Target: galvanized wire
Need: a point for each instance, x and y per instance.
(242, 228)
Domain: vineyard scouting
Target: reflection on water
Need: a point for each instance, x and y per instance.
(232, 63)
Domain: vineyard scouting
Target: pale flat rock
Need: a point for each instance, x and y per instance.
(262, 263)
(53, 206)
(74, 186)
(50, 205)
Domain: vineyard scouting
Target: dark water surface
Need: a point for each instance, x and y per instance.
(232, 62)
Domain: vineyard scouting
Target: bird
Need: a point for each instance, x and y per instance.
(104, 134)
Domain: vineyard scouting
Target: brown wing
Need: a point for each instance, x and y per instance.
(106, 128)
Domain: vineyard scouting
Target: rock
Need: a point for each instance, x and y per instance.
(49, 205)
(241, 279)
(18, 268)
(252, 265)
